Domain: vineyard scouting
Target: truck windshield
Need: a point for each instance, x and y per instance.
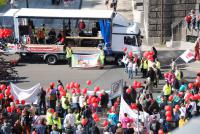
(130, 40)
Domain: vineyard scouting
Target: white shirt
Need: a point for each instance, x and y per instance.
(81, 101)
(183, 111)
(134, 67)
(194, 107)
(130, 65)
(69, 119)
(75, 99)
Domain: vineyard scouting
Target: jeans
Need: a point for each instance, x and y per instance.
(126, 68)
(130, 73)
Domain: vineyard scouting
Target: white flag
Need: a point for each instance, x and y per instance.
(187, 56)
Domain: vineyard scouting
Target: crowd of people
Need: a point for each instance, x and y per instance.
(193, 21)
(71, 109)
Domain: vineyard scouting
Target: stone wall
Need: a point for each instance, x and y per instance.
(173, 12)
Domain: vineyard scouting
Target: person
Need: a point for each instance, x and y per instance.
(167, 89)
(101, 56)
(94, 129)
(104, 100)
(6, 127)
(12, 4)
(17, 128)
(42, 100)
(57, 121)
(154, 125)
(49, 118)
(119, 129)
(134, 68)
(182, 121)
(173, 64)
(81, 25)
(52, 36)
(41, 36)
(52, 97)
(26, 121)
(144, 68)
(54, 130)
(114, 5)
(198, 22)
(41, 127)
(155, 56)
(129, 130)
(125, 120)
(130, 69)
(79, 129)
(94, 30)
(69, 119)
(188, 20)
(193, 20)
(196, 50)
(69, 55)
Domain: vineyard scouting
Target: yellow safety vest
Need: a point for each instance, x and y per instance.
(158, 65)
(145, 65)
(102, 55)
(69, 52)
(57, 122)
(64, 106)
(167, 90)
(178, 75)
(77, 121)
(49, 118)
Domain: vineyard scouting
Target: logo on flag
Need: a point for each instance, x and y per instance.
(187, 56)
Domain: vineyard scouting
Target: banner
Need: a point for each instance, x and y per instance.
(187, 56)
(85, 61)
(29, 95)
(116, 89)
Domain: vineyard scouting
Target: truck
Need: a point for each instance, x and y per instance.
(100, 26)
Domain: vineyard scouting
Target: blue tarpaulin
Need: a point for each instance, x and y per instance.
(105, 31)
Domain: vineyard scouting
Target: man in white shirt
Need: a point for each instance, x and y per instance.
(69, 119)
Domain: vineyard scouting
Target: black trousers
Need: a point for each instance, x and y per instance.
(144, 73)
(69, 61)
(42, 104)
(52, 104)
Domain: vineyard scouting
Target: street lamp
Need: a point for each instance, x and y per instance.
(27, 5)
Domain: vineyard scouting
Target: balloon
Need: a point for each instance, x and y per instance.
(12, 97)
(139, 84)
(18, 111)
(95, 105)
(97, 119)
(168, 113)
(168, 108)
(94, 115)
(170, 98)
(100, 95)
(52, 84)
(52, 110)
(160, 131)
(2, 87)
(84, 90)
(190, 85)
(8, 109)
(89, 82)
(130, 54)
(8, 87)
(125, 49)
(150, 57)
(89, 101)
(1, 96)
(180, 94)
(96, 88)
(63, 93)
(177, 107)
(73, 91)
(166, 75)
(105, 123)
(196, 97)
(60, 88)
(71, 84)
(17, 101)
(133, 106)
(84, 122)
(128, 91)
(168, 118)
(22, 102)
(78, 91)
(97, 99)
(68, 86)
(12, 108)
(135, 84)
(7, 92)
(145, 54)
(76, 85)
(93, 99)
(151, 53)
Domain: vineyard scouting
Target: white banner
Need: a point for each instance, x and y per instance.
(125, 108)
(29, 95)
(187, 56)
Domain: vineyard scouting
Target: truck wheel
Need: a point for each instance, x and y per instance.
(51, 59)
(118, 60)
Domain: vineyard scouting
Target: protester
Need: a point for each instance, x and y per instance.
(196, 50)
(42, 100)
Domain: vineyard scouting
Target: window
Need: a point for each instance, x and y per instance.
(128, 40)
